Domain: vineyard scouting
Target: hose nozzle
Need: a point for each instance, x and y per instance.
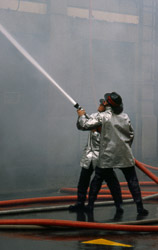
(77, 106)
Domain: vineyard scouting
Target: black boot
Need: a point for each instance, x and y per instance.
(89, 208)
(119, 212)
(81, 215)
(141, 210)
(77, 207)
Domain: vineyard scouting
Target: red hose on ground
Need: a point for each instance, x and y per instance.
(56, 199)
(78, 224)
(53, 199)
(37, 200)
(146, 183)
(75, 224)
(70, 198)
(103, 191)
(146, 171)
(123, 184)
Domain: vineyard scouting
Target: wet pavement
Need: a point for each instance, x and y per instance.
(81, 239)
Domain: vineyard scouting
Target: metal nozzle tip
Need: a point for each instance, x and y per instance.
(77, 106)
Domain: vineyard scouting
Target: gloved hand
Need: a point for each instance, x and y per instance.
(81, 112)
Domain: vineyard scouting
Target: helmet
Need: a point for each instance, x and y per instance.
(114, 100)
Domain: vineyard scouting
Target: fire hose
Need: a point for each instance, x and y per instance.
(50, 223)
(75, 224)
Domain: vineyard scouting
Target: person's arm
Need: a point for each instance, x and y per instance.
(89, 123)
(78, 124)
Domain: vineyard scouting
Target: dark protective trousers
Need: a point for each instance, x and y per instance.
(133, 184)
(109, 176)
(83, 184)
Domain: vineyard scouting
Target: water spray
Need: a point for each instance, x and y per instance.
(36, 64)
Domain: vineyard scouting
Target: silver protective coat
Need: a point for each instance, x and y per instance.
(116, 138)
(91, 151)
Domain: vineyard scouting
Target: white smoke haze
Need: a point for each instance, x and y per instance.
(40, 145)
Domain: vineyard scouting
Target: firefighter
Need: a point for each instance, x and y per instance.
(115, 148)
(88, 163)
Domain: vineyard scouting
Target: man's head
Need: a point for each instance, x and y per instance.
(114, 100)
(101, 107)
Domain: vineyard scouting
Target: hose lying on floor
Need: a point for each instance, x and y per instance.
(77, 224)
(58, 199)
(141, 183)
(63, 198)
(65, 207)
(104, 191)
(49, 223)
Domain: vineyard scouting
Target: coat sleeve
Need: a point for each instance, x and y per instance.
(78, 124)
(89, 123)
